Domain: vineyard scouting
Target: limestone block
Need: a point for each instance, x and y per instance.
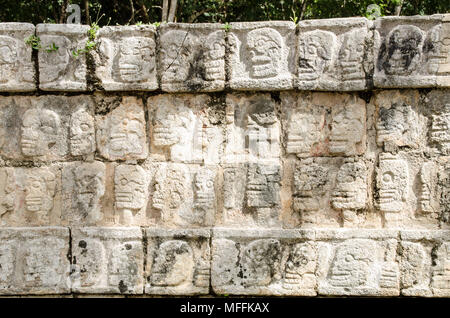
(412, 51)
(192, 57)
(334, 54)
(186, 128)
(350, 192)
(33, 261)
(264, 262)
(393, 185)
(438, 101)
(31, 196)
(444, 193)
(183, 195)
(131, 184)
(262, 55)
(178, 262)
(125, 58)
(428, 200)
(358, 263)
(253, 129)
(251, 194)
(46, 128)
(61, 68)
(398, 120)
(107, 260)
(83, 189)
(424, 263)
(121, 134)
(407, 190)
(17, 73)
(330, 192)
(306, 134)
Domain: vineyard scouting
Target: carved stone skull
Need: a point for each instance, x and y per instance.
(40, 128)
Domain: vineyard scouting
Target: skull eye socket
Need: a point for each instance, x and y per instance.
(85, 127)
(388, 177)
(6, 54)
(36, 184)
(349, 258)
(47, 129)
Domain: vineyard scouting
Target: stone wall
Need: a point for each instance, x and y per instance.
(256, 158)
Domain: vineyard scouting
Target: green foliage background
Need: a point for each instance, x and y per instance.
(120, 12)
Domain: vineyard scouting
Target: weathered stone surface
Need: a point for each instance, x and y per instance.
(183, 195)
(31, 196)
(83, 186)
(192, 57)
(262, 55)
(46, 128)
(107, 260)
(17, 73)
(121, 134)
(186, 128)
(251, 195)
(289, 193)
(358, 262)
(424, 263)
(34, 261)
(125, 58)
(305, 131)
(334, 54)
(412, 51)
(263, 262)
(407, 190)
(398, 120)
(130, 194)
(438, 101)
(61, 65)
(178, 262)
(253, 129)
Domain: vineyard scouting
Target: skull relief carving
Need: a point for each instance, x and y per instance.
(40, 128)
(40, 189)
(351, 264)
(315, 54)
(347, 130)
(9, 58)
(392, 183)
(90, 187)
(263, 185)
(204, 194)
(130, 190)
(264, 48)
(214, 57)
(351, 55)
(403, 50)
(304, 131)
(82, 133)
(134, 61)
(169, 188)
(351, 187)
(173, 264)
(127, 132)
(177, 55)
(261, 259)
(301, 266)
(310, 182)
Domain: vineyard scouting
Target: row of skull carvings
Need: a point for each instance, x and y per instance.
(323, 191)
(194, 128)
(334, 54)
(184, 262)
